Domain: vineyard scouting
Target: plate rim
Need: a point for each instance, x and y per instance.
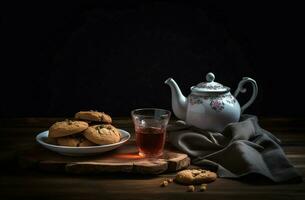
(39, 135)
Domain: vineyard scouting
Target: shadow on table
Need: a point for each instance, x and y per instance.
(258, 179)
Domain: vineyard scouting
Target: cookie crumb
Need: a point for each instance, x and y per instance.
(203, 187)
(169, 180)
(190, 188)
(164, 184)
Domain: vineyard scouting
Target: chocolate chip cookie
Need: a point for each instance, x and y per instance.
(67, 127)
(195, 177)
(102, 134)
(77, 140)
(94, 116)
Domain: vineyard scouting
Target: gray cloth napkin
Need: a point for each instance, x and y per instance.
(243, 148)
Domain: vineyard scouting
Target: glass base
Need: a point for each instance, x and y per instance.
(150, 155)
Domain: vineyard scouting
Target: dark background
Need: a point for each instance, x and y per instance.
(61, 57)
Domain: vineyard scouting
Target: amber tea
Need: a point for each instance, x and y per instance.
(150, 141)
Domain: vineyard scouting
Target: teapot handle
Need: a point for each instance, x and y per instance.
(241, 89)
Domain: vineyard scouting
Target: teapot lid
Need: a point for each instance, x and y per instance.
(209, 86)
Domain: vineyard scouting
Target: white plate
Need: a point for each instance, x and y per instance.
(41, 138)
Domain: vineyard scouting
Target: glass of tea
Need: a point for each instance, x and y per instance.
(150, 128)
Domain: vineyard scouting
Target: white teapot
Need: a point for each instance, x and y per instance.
(210, 105)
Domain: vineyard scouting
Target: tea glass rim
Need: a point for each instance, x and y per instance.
(133, 112)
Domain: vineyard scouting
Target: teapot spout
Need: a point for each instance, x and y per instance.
(179, 102)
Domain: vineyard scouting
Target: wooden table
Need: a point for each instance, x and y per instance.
(18, 134)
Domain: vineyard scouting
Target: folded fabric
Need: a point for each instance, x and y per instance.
(243, 148)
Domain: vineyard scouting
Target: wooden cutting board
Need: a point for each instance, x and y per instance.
(123, 159)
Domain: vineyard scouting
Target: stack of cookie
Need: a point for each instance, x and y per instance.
(89, 128)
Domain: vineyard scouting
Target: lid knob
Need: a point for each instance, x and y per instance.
(210, 77)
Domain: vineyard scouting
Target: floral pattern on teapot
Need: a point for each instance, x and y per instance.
(217, 102)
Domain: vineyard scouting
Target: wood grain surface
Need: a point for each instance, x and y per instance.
(18, 135)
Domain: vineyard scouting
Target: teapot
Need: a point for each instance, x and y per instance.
(210, 106)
